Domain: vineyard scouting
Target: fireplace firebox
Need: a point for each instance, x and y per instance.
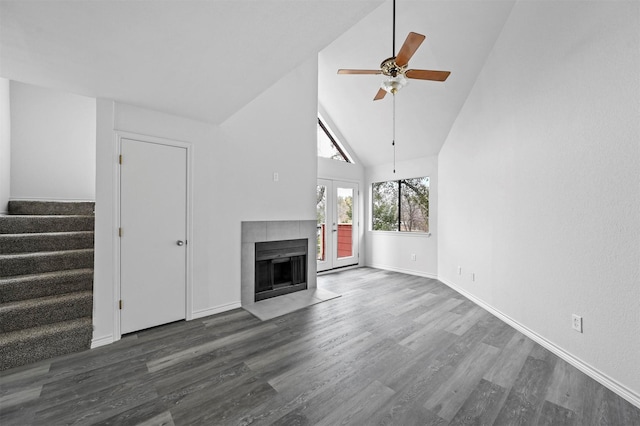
(281, 268)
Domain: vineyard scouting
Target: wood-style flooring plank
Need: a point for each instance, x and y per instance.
(150, 413)
(194, 351)
(524, 403)
(447, 305)
(361, 407)
(482, 406)
(18, 378)
(510, 361)
(97, 406)
(555, 415)
(428, 332)
(451, 395)
(566, 386)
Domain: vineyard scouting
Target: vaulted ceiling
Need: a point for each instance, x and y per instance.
(459, 36)
(207, 59)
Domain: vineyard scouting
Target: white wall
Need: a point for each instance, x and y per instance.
(539, 184)
(5, 144)
(232, 182)
(53, 144)
(393, 250)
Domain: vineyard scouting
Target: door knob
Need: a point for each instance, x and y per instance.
(180, 243)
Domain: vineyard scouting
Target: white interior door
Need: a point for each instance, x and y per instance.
(337, 212)
(153, 212)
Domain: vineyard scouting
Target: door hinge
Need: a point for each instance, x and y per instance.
(120, 159)
(120, 232)
(120, 304)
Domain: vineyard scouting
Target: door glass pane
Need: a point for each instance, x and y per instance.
(345, 221)
(321, 214)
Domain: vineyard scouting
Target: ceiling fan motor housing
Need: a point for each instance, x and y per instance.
(390, 68)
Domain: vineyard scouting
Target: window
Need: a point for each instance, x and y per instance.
(328, 146)
(400, 205)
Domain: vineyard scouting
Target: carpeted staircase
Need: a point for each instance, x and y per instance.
(46, 280)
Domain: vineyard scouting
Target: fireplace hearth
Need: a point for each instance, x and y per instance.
(280, 267)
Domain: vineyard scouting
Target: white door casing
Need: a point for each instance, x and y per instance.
(324, 256)
(153, 222)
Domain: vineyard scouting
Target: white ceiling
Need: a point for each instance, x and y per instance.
(207, 59)
(202, 59)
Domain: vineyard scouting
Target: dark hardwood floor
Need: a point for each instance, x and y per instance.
(393, 350)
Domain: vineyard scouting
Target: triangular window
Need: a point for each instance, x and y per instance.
(328, 145)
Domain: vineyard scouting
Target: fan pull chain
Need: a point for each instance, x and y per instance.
(393, 142)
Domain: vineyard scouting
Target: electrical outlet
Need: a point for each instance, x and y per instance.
(276, 177)
(576, 323)
(459, 270)
(473, 276)
(413, 256)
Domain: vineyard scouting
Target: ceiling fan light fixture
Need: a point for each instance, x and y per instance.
(394, 84)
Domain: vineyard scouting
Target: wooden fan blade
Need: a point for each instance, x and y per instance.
(411, 44)
(427, 75)
(380, 94)
(341, 71)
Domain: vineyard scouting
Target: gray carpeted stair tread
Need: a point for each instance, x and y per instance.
(35, 344)
(33, 286)
(29, 207)
(49, 241)
(33, 263)
(46, 280)
(20, 224)
(31, 313)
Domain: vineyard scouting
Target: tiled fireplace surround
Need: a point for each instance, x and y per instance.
(255, 232)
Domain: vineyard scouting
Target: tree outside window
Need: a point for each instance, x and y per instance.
(401, 205)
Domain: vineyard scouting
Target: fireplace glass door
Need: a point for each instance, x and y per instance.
(281, 268)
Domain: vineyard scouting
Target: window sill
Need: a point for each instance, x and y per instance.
(402, 234)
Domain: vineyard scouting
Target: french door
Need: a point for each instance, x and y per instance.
(337, 213)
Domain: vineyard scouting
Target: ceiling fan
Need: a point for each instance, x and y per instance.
(395, 67)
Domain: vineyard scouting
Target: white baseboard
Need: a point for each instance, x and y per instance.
(600, 377)
(215, 310)
(102, 341)
(345, 268)
(404, 271)
(107, 340)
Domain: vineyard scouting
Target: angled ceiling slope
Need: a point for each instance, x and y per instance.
(198, 59)
(459, 37)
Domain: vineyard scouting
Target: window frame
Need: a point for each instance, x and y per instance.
(398, 205)
(336, 144)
